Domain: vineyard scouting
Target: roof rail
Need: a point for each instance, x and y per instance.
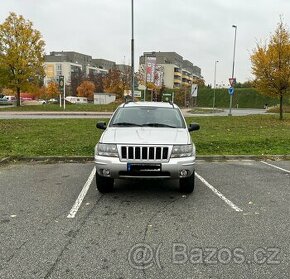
(127, 102)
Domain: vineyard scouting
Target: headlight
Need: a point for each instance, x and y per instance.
(179, 151)
(108, 150)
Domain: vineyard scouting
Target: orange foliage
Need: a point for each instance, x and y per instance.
(86, 89)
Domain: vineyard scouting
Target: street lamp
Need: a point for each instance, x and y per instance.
(233, 70)
(132, 51)
(214, 86)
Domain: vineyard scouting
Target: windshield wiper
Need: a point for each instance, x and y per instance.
(125, 124)
(157, 125)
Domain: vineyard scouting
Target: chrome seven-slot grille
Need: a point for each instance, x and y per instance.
(145, 153)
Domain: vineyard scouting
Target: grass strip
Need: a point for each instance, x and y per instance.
(255, 135)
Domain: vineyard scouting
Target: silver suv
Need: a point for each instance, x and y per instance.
(145, 140)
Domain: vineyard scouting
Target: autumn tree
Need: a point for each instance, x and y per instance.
(86, 89)
(271, 65)
(182, 95)
(77, 77)
(97, 79)
(125, 78)
(199, 81)
(21, 54)
(49, 91)
(112, 82)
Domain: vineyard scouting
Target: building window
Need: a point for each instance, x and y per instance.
(58, 69)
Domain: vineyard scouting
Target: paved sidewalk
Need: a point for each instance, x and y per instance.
(95, 114)
(235, 112)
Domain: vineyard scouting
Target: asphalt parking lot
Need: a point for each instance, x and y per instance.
(54, 224)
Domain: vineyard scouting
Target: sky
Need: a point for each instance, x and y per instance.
(199, 30)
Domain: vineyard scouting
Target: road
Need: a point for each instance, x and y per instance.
(234, 225)
(61, 115)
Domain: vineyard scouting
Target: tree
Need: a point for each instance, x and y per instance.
(271, 65)
(97, 79)
(77, 77)
(125, 77)
(199, 81)
(46, 93)
(112, 82)
(21, 54)
(182, 96)
(86, 89)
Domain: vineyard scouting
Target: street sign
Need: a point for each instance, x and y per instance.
(166, 97)
(232, 81)
(137, 93)
(61, 83)
(231, 91)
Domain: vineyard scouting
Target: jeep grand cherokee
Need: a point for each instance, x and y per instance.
(145, 140)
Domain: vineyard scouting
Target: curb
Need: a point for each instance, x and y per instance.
(47, 159)
(83, 159)
(243, 157)
(57, 112)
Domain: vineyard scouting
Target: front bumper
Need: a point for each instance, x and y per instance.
(114, 168)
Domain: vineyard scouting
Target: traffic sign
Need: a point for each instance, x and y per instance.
(61, 83)
(232, 81)
(231, 90)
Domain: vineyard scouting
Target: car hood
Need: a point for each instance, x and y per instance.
(145, 135)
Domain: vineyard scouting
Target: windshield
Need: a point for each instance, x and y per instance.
(148, 117)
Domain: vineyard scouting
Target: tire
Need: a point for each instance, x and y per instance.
(104, 184)
(186, 185)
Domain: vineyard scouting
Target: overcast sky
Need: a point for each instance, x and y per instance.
(199, 30)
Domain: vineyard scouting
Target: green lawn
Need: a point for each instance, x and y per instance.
(260, 134)
(69, 107)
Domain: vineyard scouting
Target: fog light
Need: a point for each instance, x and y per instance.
(183, 173)
(106, 172)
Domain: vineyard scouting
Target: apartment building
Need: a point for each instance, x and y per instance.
(104, 64)
(171, 67)
(67, 64)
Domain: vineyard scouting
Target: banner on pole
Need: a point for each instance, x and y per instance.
(150, 68)
(232, 81)
(194, 89)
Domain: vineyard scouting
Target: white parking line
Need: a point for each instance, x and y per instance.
(275, 167)
(218, 193)
(82, 195)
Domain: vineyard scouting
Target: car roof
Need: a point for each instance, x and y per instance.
(149, 104)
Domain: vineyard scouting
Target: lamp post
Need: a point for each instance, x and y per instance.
(233, 70)
(214, 86)
(145, 63)
(132, 51)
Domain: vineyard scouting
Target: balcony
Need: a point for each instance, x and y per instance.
(186, 83)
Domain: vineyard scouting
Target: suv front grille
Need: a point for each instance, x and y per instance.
(145, 153)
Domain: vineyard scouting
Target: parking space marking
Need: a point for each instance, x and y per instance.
(82, 195)
(275, 166)
(218, 193)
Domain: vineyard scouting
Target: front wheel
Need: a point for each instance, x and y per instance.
(186, 185)
(104, 184)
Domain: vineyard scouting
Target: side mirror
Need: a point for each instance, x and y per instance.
(193, 127)
(101, 125)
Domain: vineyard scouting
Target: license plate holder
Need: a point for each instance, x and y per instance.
(139, 167)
